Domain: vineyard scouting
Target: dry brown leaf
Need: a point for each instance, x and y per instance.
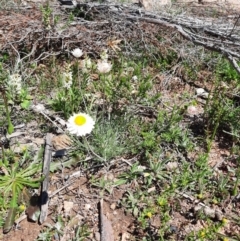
(61, 142)
(94, 76)
(114, 44)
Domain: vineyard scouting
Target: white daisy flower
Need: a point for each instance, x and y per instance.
(77, 53)
(15, 81)
(104, 67)
(80, 124)
(67, 79)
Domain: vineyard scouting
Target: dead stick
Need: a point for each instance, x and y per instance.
(46, 168)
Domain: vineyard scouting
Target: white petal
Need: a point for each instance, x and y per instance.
(104, 67)
(77, 53)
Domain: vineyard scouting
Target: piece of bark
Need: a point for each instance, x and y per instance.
(44, 199)
(107, 233)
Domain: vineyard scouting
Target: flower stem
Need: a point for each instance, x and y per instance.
(10, 125)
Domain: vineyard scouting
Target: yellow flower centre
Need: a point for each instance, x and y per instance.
(22, 207)
(149, 214)
(80, 120)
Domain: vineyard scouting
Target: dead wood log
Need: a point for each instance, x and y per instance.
(220, 35)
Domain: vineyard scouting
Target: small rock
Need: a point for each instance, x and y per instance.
(97, 236)
(218, 215)
(201, 92)
(192, 110)
(152, 189)
(113, 206)
(197, 209)
(67, 207)
(209, 212)
(38, 108)
(19, 126)
(171, 166)
(87, 206)
(125, 236)
(141, 168)
(205, 95)
(109, 177)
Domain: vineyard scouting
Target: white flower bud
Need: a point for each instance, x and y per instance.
(104, 67)
(77, 53)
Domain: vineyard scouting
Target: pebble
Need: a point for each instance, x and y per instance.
(201, 92)
(171, 166)
(97, 236)
(87, 206)
(113, 206)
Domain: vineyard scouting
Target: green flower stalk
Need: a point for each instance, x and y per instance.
(10, 125)
(11, 85)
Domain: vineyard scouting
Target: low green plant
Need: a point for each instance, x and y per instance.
(46, 15)
(131, 202)
(103, 184)
(222, 116)
(81, 233)
(45, 235)
(25, 99)
(108, 139)
(2, 211)
(135, 171)
(225, 71)
(145, 215)
(4, 95)
(154, 171)
(16, 177)
(71, 96)
(237, 181)
(210, 232)
(59, 228)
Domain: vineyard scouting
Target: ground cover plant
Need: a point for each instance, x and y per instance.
(150, 130)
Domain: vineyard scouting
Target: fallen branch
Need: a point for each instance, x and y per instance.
(217, 35)
(46, 167)
(107, 233)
